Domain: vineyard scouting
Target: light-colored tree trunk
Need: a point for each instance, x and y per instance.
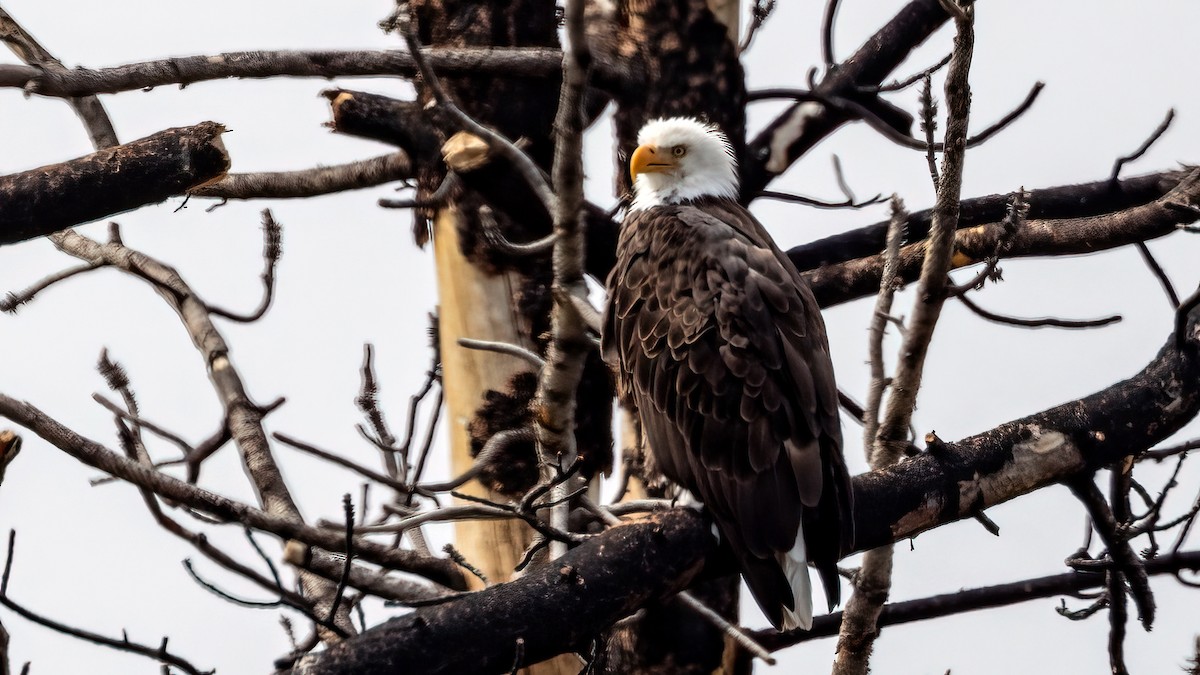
(475, 304)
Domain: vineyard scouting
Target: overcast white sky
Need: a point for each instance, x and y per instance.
(349, 275)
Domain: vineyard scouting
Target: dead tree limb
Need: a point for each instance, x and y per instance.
(1059, 202)
(854, 279)
(111, 181)
(227, 510)
(186, 70)
(973, 599)
(309, 182)
(559, 606)
(891, 504)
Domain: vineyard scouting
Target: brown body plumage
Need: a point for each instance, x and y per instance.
(720, 345)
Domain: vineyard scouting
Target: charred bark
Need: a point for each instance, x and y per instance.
(118, 179)
(555, 608)
(551, 609)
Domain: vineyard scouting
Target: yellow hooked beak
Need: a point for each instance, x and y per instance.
(650, 159)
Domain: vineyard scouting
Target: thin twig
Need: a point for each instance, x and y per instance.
(864, 113)
(159, 653)
(898, 85)
(496, 240)
(272, 249)
(1159, 273)
(827, 20)
(883, 307)
(341, 461)
(1154, 136)
(818, 203)
(348, 509)
(13, 300)
(1040, 322)
(759, 14)
(506, 348)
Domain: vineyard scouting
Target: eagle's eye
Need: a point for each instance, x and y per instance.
(679, 151)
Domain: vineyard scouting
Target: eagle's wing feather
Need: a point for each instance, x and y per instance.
(722, 349)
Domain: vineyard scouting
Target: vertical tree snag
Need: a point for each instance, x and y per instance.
(687, 52)
(478, 299)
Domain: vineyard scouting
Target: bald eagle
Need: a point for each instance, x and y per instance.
(719, 344)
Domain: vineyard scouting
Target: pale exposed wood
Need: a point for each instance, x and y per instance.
(474, 304)
(727, 12)
(477, 305)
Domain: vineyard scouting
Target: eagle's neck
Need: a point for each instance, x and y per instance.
(663, 189)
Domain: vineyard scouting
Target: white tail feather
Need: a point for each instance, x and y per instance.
(795, 566)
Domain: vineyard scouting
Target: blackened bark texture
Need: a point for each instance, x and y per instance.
(1064, 201)
(690, 67)
(665, 638)
(114, 180)
(521, 109)
(833, 284)
(563, 606)
(399, 123)
(557, 607)
(517, 108)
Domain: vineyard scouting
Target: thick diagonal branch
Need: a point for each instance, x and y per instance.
(890, 505)
(847, 281)
(146, 171)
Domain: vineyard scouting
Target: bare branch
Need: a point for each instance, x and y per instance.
(967, 600)
(883, 307)
(322, 180)
(831, 7)
(873, 582)
(1154, 136)
(110, 181)
(13, 301)
(1038, 237)
(396, 485)
(226, 510)
(272, 249)
(1159, 274)
(159, 653)
(1040, 322)
(186, 70)
(759, 13)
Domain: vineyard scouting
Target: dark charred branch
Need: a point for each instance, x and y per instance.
(555, 608)
(804, 125)
(844, 267)
(382, 118)
(1020, 456)
(834, 284)
(1067, 201)
(111, 181)
(560, 607)
(506, 62)
(974, 599)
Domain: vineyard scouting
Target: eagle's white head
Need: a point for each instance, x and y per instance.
(681, 158)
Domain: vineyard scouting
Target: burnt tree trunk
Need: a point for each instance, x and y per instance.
(486, 295)
(687, 50)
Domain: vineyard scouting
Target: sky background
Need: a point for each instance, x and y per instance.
(350, 274)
